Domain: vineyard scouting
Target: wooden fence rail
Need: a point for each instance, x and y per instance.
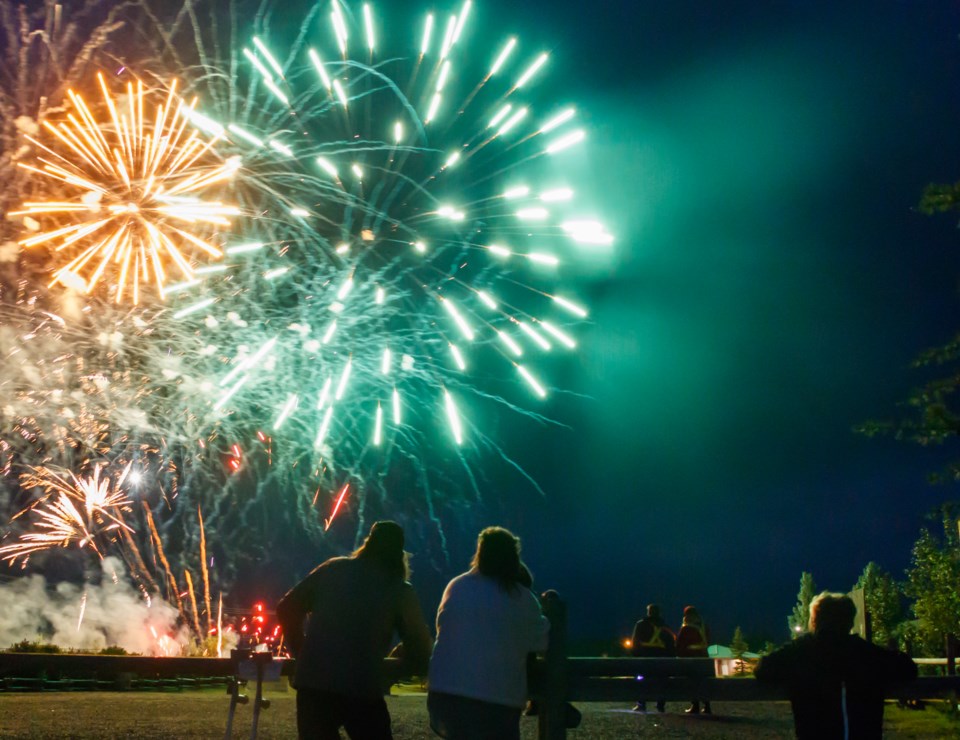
(107, 667)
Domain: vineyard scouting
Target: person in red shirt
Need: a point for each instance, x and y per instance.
(692, 642)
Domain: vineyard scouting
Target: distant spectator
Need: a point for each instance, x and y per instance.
(487, 624)
(836, 680)
(356, 604)
(652, 639)
(692, 642)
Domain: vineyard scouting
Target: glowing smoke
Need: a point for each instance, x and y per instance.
(114, 614)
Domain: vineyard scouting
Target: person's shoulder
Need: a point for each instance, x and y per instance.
(459, 587)
(868, 648)
(336, 562)
(323, 567)
(858, 646)
(465, 579)
(528, 597)
(780, 664)
(797, 645)
(891, 665)
(333, 564)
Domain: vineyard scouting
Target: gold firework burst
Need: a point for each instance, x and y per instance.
(134, 185)
(74, 509)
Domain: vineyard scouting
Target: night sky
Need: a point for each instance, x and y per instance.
(771, 283)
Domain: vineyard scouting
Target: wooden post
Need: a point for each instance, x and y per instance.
(951, 641)
(552, 719)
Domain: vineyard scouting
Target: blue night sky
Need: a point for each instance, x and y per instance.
(771, 283)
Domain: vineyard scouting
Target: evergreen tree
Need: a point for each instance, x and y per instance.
(881, 595)
(800, 617)
(739, 646)
(933, 582)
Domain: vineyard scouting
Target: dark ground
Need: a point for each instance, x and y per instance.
(203, 714)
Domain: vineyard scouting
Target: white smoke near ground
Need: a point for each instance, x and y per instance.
(113, 613)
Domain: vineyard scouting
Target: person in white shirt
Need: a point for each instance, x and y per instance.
(487, 624)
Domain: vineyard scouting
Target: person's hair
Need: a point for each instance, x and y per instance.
(525, 578)
(653, 611)
(832, 614)
(498, 557)
(691, 616)
(384, 546)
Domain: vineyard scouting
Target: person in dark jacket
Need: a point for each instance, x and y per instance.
(652, 639)
(836, 680)
(356, 605)
(692, 642)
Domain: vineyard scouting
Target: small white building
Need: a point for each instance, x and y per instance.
(726, 663)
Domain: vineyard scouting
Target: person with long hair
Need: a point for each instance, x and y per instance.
(487, 624)
(356, 605)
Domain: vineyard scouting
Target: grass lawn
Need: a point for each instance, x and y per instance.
(203, 714)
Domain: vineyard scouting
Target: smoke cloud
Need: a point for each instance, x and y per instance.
(113, 613)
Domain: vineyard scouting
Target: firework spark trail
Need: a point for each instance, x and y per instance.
(336, 507)
(194, 612)
(83, 608)
(158, 547)
(203, 567)
(133, 549)
(220, 626)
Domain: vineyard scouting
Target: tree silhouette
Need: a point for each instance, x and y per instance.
(882, 595)
(800, 617)
(933, 582)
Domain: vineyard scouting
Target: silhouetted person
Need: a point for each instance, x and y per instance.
(692, 642)
(356, 605)
(652, 639)
(836, 680)
(487, 624)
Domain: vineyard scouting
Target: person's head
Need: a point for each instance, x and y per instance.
(691, 616)
(832, 614)
(653, 612)
(384, 546)
(498, 557)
